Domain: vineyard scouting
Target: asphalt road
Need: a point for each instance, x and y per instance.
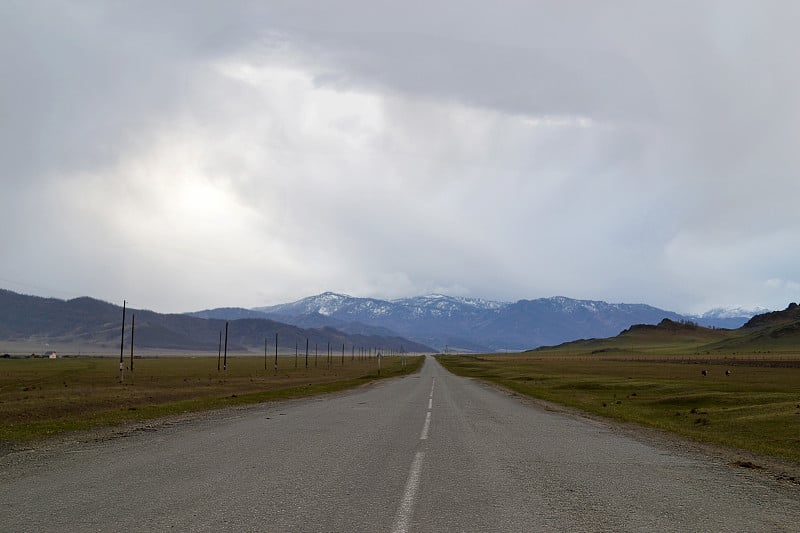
(429, 452)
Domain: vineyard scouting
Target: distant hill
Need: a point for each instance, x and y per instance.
(773, 332)
(89, 322)
(777, 331)
(788, 316)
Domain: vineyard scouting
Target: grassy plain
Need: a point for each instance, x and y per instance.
(756, 407)
(44, 397)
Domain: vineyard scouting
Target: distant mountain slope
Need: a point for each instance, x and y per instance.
(666, 337)
(554, 320)
(788, 316)
(434, 320)
(91, 322)
(479, 325)
(773, 332)
(22, 317)
(777, 331)
(727, 318)
(668, 334)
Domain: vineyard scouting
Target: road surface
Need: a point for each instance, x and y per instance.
(429, 452)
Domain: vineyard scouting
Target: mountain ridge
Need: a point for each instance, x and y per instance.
(474, 324)
(90, 322)
(444, 322)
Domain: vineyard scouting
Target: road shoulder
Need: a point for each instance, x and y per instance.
(763, 466)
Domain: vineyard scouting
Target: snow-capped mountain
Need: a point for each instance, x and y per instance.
(728, 317)
(443, 320)
(330, 304)
(483, 325)
(439, 305)
(333, 304)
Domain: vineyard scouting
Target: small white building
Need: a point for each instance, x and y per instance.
(51, 355)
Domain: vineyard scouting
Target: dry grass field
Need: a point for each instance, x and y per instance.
(43, 397)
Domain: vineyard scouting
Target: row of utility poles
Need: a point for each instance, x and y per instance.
(222, 356)
(363, 353)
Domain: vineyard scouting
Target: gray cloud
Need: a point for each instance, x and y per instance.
(198, 154)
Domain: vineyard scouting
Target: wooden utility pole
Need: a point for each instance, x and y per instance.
(306, 352)
(133, 328)
(225, 358)
(265, 353)
(122, 345)
(276, 353)
(219, 354)
(342, 354)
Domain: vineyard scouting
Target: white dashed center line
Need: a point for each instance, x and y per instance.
(427, 426)
(403, 519)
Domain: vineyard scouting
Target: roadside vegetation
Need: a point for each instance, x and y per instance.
(749, 402)
(45, 397)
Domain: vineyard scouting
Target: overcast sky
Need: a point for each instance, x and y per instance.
(188, 155)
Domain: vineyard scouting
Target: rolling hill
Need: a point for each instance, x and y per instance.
(772, 332)
(89, 322)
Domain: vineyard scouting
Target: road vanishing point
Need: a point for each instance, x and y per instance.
(426, 452)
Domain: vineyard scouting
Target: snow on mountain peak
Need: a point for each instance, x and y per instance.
(733, 312)
(439, 299)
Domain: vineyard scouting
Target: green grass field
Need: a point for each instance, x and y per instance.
(44, 397)
(755, 408)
